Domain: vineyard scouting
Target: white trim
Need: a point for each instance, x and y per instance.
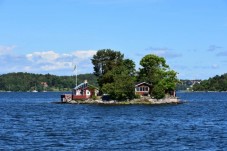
(142, 83)
(88, 93)
(142, 90)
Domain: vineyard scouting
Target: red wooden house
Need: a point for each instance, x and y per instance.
(84, 91)
(142, 88)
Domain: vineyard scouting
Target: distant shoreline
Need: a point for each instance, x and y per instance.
(33, 92)
(198, 91)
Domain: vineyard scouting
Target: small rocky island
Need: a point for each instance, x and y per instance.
(118, 82)
(88, 94)
(142, 101)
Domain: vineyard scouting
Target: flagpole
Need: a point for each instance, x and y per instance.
(75, 71)
(76, 75)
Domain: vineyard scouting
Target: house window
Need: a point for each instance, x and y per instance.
(146, 88)
(88, 92)
(142, 89)
(78, 92)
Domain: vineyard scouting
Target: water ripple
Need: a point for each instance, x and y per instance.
(31, 122)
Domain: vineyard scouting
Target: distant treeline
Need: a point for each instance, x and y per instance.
(28, 82)
(217, 83)
(186, 84)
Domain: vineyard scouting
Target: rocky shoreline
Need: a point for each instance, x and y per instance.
(142, 101)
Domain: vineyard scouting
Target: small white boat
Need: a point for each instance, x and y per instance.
(34, 89)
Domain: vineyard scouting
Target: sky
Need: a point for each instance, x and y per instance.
(51, 36)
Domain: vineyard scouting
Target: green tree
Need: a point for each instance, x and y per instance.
(105, 60)
(130, 66)
(153, 68)
(122, 87)
(170, 80)
(158, 91)
(116, 75)
(156, 72)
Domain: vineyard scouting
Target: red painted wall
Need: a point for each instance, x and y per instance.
(76, 97)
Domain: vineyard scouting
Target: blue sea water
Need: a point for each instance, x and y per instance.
(30, 121)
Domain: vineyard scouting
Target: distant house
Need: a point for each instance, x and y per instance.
(142, 88)
(84, 91)
(44, 84)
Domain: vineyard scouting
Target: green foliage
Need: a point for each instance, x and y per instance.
(169, 80)
(217, 83)
(183, 85)
(105, 60)
(158, 91)
(153, 68)
(122, 87)
(187, 84)
(130, 66)
(94, 97)
(137, 96)
(115, 74)
(155, 71)
(29, 81)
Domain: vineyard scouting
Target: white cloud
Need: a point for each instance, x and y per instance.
(163, 52)
(215, 66)
(84, 54)
(166, 53)
(27, 68)
(213, 48)
(40, 57)
(45, 61)
(4, 50)
(56, 66)
(53, 61)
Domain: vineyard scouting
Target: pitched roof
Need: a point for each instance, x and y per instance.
(140, 83)
(84, 85)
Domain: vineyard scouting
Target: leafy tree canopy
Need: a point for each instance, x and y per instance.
(122, 85)
(116, 75)
(153, 68)
(156, 72)
(105, 60)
